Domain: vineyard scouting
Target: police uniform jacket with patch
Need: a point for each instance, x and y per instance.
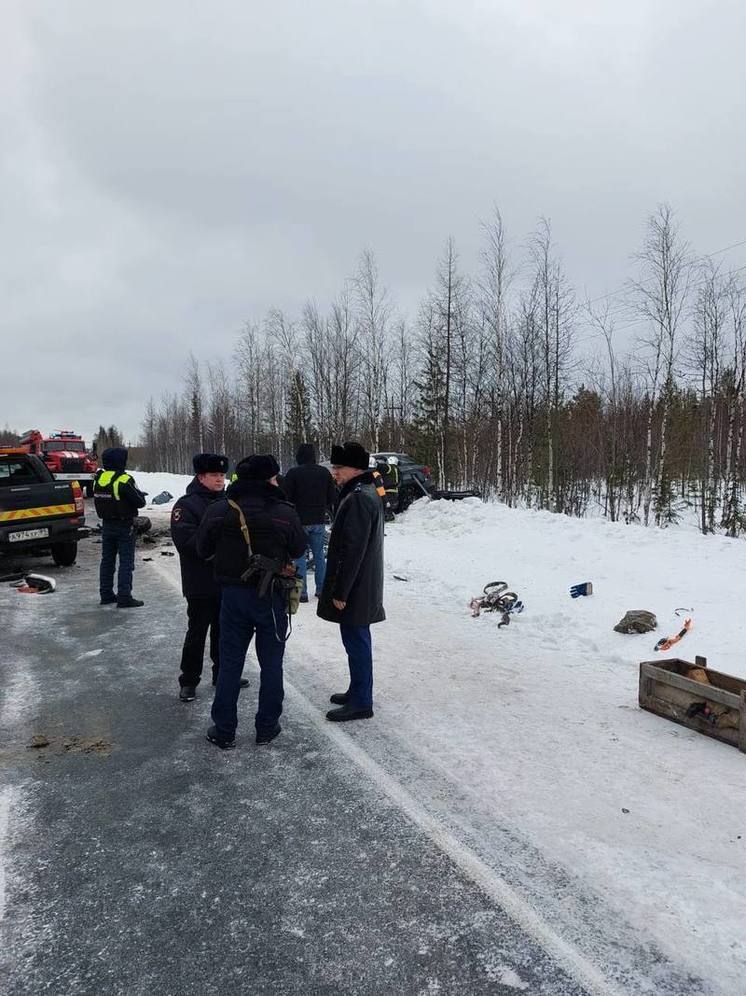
(197, 576)
(274, 529)
(354, 563)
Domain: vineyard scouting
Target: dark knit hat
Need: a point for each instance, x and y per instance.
(257, 468)
(350, 455)
(114, 458)
(306, 454)
(210, 463)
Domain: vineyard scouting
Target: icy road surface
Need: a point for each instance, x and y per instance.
(471, 838)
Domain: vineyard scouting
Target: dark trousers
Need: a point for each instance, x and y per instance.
(357, 643)
(242, 614)
(117, 539)
(203, 614)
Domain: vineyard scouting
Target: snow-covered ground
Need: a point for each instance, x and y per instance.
(619, 827)
(538, 724)
(154, 483)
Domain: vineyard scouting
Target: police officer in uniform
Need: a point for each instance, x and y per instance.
(117, 498)
(198, 583)
(253, 529)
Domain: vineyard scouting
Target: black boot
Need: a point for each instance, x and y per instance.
(222, 742)
(108, 599)
(129, 603)
(188, 693)
(340, 698)
(348, 712)
(267, 736)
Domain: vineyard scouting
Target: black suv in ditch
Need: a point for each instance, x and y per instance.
(414, 478)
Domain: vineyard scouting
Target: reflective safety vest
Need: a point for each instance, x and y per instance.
(378, 481)
(106, 496)
(391, 479)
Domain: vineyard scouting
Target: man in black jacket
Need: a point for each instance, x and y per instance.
(253, 519)
(117, 498)
(198, 583)
(312, 490)
(353, 588)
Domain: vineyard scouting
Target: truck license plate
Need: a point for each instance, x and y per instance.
(28, 534)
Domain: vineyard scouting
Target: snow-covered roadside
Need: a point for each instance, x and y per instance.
(529, 739)
(154, 483)
(527, 743)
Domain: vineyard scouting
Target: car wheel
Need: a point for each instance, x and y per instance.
(64, 554)
(406, 498)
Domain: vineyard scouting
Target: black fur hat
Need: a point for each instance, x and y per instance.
(210, 463)
(257, 468)
(114, 458)
(350, 455)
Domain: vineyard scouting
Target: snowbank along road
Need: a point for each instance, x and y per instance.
(509, 821)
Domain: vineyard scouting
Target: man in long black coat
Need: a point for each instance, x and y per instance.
(198, 585)
(353, 587)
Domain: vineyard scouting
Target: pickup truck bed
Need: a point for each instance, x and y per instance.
(36, 512)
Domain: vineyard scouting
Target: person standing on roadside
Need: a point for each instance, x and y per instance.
(117, 498)
(253, 534)
(198, 583)
(312, 490)
(353, 588)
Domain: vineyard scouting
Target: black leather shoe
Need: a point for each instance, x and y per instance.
(109, 600)
(222, 742)
(188, 693)
(304, 598)
(266, 737)
(348, 712)
(340, 698)
(129, 603)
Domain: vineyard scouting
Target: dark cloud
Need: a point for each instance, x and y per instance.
(170, 170)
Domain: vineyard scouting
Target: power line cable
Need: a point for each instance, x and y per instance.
(640, 321)
(708, 255)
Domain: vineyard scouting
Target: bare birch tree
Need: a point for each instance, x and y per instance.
(660, 295)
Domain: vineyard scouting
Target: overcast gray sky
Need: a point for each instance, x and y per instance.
(171, 169)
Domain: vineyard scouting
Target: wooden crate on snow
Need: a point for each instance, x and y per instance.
(666, 690)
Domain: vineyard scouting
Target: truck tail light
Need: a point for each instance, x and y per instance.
(78, 496)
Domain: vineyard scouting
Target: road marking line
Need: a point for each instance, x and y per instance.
(518, 909)
(5, 799)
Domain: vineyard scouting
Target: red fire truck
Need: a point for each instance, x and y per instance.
(65, 455)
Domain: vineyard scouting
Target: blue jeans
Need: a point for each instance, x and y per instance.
(117, 538)
(357, 643)
(316, 542)
(242, 614)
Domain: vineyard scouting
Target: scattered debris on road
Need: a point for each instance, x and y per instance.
(38, 741)
(637, 621)
(35, 584)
